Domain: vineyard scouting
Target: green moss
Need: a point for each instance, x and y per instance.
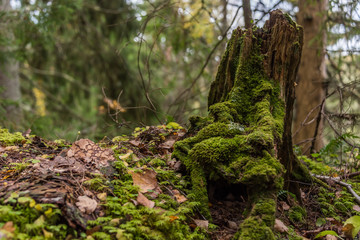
(8, 139)
(265, 209)
(289, 235)
(30, 219)
(224, 112)
(235, 143)
(262, 172)
(197, 123)
(173, 125)
(297, 214)
(316, 167)
(254, 228)
(214, 150)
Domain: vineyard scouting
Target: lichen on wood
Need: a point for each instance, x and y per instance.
(246, 137)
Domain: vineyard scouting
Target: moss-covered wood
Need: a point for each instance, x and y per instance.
(246, 137)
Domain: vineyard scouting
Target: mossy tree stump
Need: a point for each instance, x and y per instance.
(246, 137)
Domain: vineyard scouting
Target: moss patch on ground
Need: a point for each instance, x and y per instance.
(8, 139)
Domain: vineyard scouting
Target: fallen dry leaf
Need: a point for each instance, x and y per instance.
(146, 180)
(115, 222)
(202, 223)
(302, 194)
(47, 234)
(9, 227)
(280, 226)
(126, 156)
(168, 144)
(136, 143)
(356, 208)
(232, 225)
(338, 194)
(330, 237)
(179, 197)
(86, 204)
(347, 230)
(101, 196)
(12, 148)
(173, 218)
(284, 205)
(141, 199)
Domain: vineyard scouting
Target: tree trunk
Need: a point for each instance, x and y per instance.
(9, 77)
(246, 138)
(247, 13)
(308, 122)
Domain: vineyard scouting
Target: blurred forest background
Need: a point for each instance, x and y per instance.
(95, 68)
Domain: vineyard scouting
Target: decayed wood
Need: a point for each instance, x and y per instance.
(281, 50)
(254, 87)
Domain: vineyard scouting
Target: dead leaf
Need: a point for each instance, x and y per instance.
(115, 222)
(338, 194)
(86, 204)
(179, 197)
(347, 230)
(232, 225)
(141, 199)
(146, 180)
(93, 230)
(284, 205)
(154, 194)
(9, 227)
(280, 226)
(47, 234)
(12, 148)
(202, 223)
(126, 156)
(330, 237)
(356, 208)
(173, 218)
(136, 143)
(101, 196)
(302, 194)
(168, 144)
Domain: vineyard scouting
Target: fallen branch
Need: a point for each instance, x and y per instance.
(350, 175)
(337, 180)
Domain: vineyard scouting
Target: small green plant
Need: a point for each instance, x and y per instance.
(19, 167)
(330, 154)
(31, 220)
(297, 214)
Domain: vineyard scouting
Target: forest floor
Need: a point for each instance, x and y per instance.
(130, 187)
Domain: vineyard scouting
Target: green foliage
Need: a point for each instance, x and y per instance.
(336, 205)
(31, 220)
(324, 233)
(283, 195)
(8, 139)
(68, 80)
(297, 214)
(316, 166)
(97, 183)
(329, 153)
(126, 220)
(354, 222)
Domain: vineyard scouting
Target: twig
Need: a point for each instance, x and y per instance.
(337, 180)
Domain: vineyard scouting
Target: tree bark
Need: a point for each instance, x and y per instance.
(9, 77)
(247, 13)
(246, 138)
(310, 92)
